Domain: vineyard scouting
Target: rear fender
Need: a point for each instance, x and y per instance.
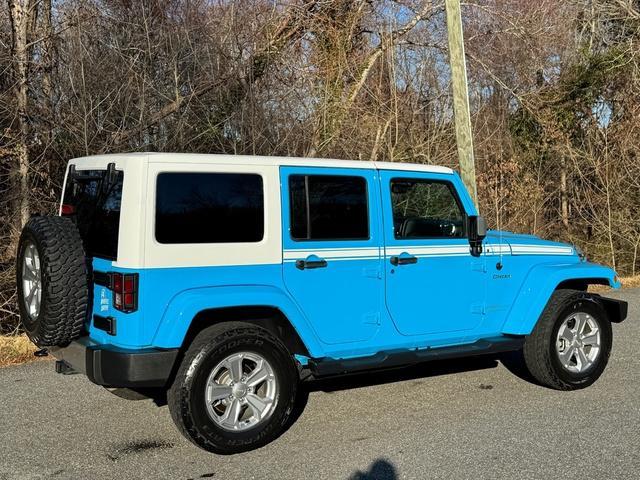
(541, 282)
(184, 307)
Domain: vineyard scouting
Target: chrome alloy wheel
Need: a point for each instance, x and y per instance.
(31, 280)
(241, 391)
(578, 342)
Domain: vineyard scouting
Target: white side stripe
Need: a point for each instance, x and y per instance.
(542, 249)
(435, 250)
(333, 253)
(493, 249)
(424, 251)
(333, 259)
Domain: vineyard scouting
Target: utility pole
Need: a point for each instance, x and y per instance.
(460, 87)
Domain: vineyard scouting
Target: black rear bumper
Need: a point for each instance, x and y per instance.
(118, 367)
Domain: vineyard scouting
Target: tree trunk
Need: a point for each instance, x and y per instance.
(564, 199)
(634, 262)
(18, 10)
(47, 66)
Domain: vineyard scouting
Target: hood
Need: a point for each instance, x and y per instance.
(525, 244)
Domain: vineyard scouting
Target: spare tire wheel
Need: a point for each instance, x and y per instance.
(52, 281)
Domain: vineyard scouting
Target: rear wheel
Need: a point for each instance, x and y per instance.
(570, 346)
(235, 389)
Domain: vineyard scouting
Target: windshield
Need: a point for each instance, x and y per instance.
(94, 205)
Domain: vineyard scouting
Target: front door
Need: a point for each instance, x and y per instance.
(331, 242)
(434, 284)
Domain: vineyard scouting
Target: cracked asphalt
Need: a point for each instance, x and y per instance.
(474, 418)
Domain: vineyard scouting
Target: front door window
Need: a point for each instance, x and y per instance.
(425, 209)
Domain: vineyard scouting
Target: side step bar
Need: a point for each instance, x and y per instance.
(398, 358)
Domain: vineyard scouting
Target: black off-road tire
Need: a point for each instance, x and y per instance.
(540, 356)
(63, 278)
(186, 396)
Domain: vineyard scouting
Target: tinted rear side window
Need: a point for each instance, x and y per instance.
(209, 208)
(96, 210)
(328, 207)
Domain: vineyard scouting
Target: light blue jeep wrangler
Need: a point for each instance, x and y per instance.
(225, 279)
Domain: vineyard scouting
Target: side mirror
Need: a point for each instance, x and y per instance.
(477, 228)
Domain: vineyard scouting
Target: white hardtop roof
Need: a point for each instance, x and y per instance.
(202, 158)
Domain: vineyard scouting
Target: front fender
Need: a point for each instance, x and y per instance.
(186, 305)
(537, 288)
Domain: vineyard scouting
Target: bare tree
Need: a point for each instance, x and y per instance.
(554, 96)
(21, 13)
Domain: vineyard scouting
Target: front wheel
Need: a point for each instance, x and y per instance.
(570, 346)
(235, 389)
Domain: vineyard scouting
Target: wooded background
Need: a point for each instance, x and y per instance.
(554, 85)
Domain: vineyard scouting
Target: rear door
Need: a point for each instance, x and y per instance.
(93, 203)
(331, 243)
(94, 206)
(434, 285)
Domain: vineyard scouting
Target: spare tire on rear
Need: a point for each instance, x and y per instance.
(52, 280)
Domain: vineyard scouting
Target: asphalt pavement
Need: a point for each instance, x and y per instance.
(474, 418)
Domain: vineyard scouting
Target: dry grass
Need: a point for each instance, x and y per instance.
(627, 282)
(15, 349)
(631, 282)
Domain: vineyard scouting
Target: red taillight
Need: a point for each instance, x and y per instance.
(129, 284)
(67, 209)
(116, 282)
(125, 291)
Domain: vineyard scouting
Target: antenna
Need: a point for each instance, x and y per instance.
(499, 265)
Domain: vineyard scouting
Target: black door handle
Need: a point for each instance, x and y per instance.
(306, 264)
(403, 260)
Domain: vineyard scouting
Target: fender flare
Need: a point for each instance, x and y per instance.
(184, 307)
(538, 286)
(617, 310)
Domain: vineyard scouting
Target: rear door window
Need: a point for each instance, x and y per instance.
(328, 207)
(95, 208)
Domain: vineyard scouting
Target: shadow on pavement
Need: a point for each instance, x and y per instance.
(380, 470)
(514, 362)
(381, 377)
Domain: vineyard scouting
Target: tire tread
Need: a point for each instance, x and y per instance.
(178, 396)
(64, 280)
(536, 351)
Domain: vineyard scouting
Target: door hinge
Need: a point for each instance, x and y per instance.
(479, 267)
(373, 272)
(371, 319)
(478, 309)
